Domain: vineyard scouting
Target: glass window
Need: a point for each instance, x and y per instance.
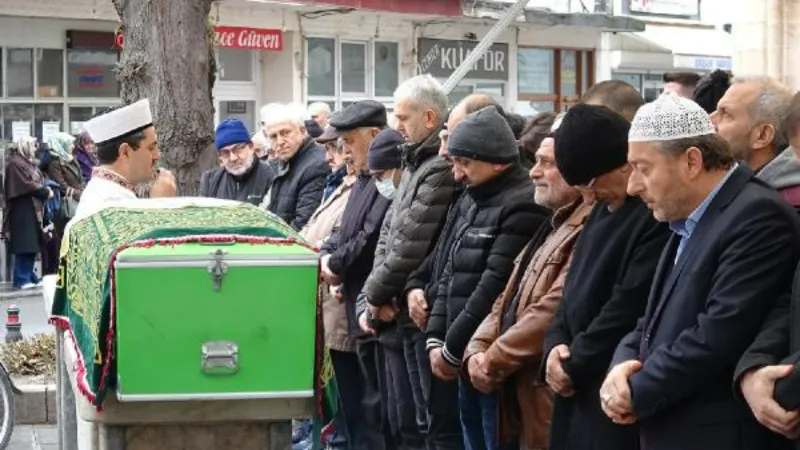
(53, 114)
(387, 68)
(530, 109)
(78, 115)
(20, 72)
(633, 79)
(569, 72)
(354, 68)
(50, 73)
(496, 90)
(459, 93)
(17, 118)
(235, 64)
(90, 73)
(536, 71)
(588, 60)
(2, 63)
(242, 110)
(322, 67)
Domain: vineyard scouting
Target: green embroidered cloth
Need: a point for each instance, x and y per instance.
(84, 294)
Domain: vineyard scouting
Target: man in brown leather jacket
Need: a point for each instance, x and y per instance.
(506, 352)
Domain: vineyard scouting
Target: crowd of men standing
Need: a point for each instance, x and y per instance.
(618, 276)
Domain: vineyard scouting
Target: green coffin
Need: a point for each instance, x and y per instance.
(215, 321)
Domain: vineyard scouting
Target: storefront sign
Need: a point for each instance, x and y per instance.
(441, 58)
(685, 8)
(20, 130)
(435, 7)
(249, 38)
(237, 37)
(50, 129)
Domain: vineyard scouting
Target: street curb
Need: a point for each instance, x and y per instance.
(26, 294)
(36, 405)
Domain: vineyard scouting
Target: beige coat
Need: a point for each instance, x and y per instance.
(319, 228)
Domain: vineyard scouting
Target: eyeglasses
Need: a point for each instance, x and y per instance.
(237, 150)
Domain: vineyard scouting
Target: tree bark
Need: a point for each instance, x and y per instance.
(168, 58)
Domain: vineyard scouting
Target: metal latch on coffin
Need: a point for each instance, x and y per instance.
(220, 358)
(217, 268)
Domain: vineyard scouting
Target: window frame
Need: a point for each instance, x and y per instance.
(583, 57)
(340, 97)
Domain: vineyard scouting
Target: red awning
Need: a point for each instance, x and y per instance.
(434, 7)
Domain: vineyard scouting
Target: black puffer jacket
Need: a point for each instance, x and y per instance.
(250, 187)
(494, 222)
(299, 184)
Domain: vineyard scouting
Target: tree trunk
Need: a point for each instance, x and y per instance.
(168, 58)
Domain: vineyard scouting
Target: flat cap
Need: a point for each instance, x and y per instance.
(367, 113)
(329, 135)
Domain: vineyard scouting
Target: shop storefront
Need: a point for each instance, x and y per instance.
(552, 79)
(441, 58)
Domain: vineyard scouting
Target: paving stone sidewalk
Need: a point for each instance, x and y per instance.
(34, 437)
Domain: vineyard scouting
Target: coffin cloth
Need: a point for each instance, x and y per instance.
(84, 299)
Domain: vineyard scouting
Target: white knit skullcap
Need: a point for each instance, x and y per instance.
(668, 118)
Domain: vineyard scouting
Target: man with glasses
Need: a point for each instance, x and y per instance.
(241, 175)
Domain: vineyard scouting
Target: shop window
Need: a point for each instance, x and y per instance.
(90, 73)
(387, 68)
(322, 67)
(552, 79)
(354, 68)
(50, 73)
(48, 120)
(19, 72)
(341, 71)
(235, 64)
(17, 121)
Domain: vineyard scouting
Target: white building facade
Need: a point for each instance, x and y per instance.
(57, 59)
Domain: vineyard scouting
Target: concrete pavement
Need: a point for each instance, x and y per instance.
(34, 437)
(31, 310)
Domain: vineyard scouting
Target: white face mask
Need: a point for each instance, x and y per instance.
(386, 187)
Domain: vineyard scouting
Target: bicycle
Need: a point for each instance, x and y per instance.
(7, 392)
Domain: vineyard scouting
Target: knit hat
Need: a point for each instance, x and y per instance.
(231, 132)
(384, 152)
(484, 136)
(668, 118)
(591, 141)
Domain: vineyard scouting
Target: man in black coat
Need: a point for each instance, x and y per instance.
(606, 288)
(302, 171)
(347, 261)
(242, 176)
(731, 255)
(492, 224)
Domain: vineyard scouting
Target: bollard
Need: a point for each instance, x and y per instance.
(13, 325)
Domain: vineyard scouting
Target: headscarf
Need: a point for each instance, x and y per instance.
(26, 147)
(86, 159)
(60, 144)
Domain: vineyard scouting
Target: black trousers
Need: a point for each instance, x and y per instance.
(375, 426)
(349, 430)
(402, 408)
(436, 401)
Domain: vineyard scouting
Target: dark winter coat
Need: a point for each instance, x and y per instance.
(25, 194)
(67, 175)
(250, 187)
(493, 223)
(604, 295)
(298, 186)
(352, 247)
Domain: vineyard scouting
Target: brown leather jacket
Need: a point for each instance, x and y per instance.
(518, 351)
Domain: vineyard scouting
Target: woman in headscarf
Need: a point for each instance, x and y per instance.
(65, 170)
(85, 153)
(25, 194)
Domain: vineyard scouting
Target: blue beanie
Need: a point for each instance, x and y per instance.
(231, 132)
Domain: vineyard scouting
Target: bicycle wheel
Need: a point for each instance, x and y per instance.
(7, 413)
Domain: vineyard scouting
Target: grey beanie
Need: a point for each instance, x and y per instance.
(484, 136)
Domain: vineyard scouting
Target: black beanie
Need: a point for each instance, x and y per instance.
(384, 152)
(484, 136)
(591, 141)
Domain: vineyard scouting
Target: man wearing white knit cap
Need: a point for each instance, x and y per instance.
(127, 150)
(732, 254)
